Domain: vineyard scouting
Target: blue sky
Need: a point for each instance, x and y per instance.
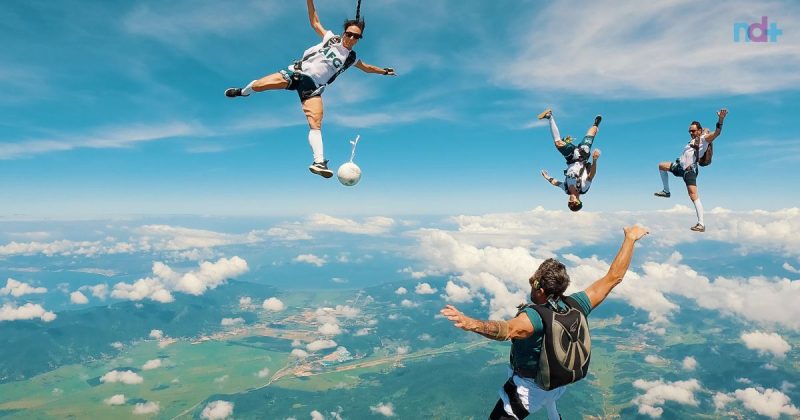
(117, 108)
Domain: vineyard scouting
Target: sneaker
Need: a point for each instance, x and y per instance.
(597, 120)
(546, 114)
(698, 228)
(234, 92)
(321, 169)
(662, 194)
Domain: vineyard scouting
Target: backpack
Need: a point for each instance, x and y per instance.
(566, 346)
(704, 160)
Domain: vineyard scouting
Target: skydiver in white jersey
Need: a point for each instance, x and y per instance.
(319, 67)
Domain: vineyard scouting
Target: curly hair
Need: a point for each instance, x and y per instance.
(552, 277)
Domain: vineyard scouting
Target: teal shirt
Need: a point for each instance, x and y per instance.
(526, 351)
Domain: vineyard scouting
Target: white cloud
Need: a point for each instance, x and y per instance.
(17, 288)
(613, 58)
(770, 402)
(149, 407)
(316, 415)
(401, 291)
(11, 312)
(295, 234)
(318, 345)
(221, 379)
(165, 280)
(311, 259)
(407, 303)
(424, 289)
(157, 334)
(376, 225)
(456, 293)
(299, 353)
(361, 332)
(766, 343)
(117, 345)
(788, 267)
(226, 322)
(689, 363)
(273, 304)
(263, 373)
(217, 410)
(127, 377)
(721, 400)
(245, 302)
(384, 409)
(152, 364)
(655, 360)
(78, 298)
(659, 392)
(118, 399)
(329, 329)
(99, 291)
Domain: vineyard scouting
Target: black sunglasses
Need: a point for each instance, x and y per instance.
(352, 35)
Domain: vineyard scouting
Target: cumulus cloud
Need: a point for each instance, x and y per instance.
(226, 322)
(118, 399)
(217, 410)
(659, 392)
(721, 400)
(245, 302)
(401, 291)
(361, 332)
(766, 343)
(17, 288)
(127, 377)
(299, 353)
(273, 304)
(152, 364)
(384, 409)
(78, 298)
(376, 225)
(311, 259)
(11, 312)
(318, 345)
(157, 334)
(407, 303)
(456, 293)
(769, 402)
(424, 289)
(329, 329)
(117, 345)
(165, 280)
(263, 373)
(689, 363)
(655, 360)
(316, 415)
(99, 291)
(148, 407)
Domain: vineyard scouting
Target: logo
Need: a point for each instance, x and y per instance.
(756, 32)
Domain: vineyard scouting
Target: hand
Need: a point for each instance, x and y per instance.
(722, 114)
(388, 71)
(459, 320)
(635, 232)
(596, 154)
(545, 174)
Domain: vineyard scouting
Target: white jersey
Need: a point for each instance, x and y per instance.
(688, 157)
(323, 60)
(573, 172)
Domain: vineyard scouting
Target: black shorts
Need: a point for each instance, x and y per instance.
(304, 85)
(689, 176)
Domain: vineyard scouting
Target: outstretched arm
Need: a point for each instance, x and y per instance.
(600, 289)
(554, 182)
(721, 114)
(313, 18)
(519, 327)
(593, 170)
(369, 68)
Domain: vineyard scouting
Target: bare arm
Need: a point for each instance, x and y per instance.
(593, 170)
(369, 68)
(519, 327)
(554, 182)
(313, 18)
(721, 114)
(600, 289)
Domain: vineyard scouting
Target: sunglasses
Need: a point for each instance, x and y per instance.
(352, 35)
(693, 131)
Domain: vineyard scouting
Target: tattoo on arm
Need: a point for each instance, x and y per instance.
(495, 330)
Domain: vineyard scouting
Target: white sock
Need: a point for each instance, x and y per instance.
(248, 89)
(665, 180)
(698, 207)
(315, 140)
(554, 129)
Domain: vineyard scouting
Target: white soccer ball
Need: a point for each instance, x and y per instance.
(349, 174)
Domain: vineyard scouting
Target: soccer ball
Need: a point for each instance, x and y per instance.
(349, 174)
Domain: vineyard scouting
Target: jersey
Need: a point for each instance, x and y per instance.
(692, 151)
(322, 61)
